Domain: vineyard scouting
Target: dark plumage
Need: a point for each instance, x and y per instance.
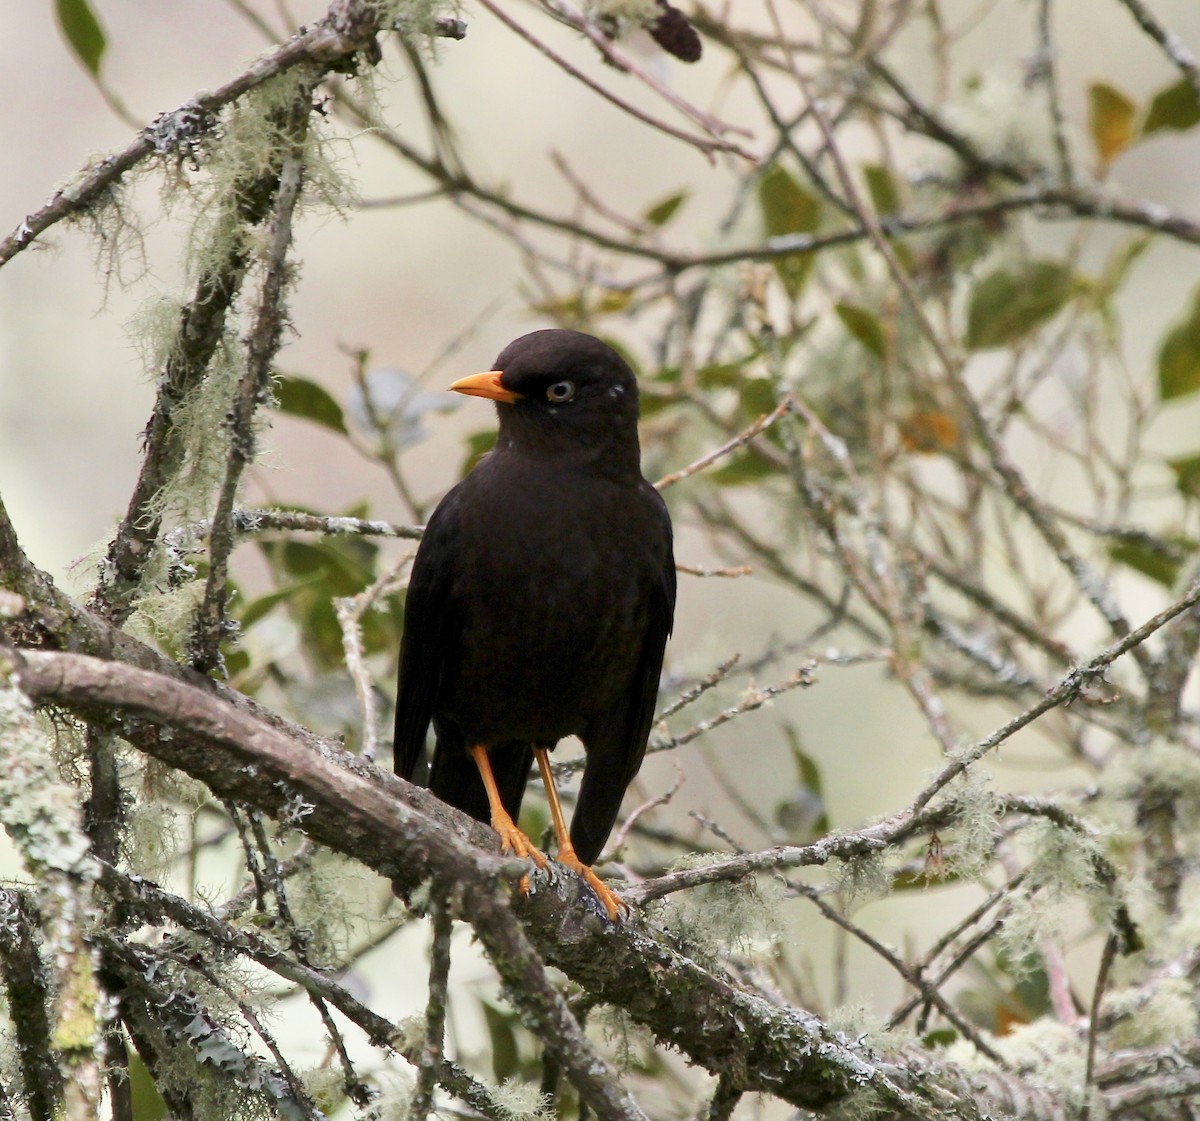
(541, 598)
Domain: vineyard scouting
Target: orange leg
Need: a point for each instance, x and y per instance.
(566, 850)
(511, 838)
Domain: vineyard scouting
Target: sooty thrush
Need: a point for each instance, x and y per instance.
(540, 601)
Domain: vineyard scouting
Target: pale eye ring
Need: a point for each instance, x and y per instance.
(560, 392)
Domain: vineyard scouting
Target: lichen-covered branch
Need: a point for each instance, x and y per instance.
(384, 822)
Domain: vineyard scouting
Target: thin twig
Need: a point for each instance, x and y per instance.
(744, 437)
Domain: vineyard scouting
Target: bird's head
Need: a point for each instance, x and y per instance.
(564, 394)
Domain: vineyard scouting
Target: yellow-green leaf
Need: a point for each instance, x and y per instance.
(1187, 475)
(478, 445)
(758, 396)
(82, 31)
(662, 212)
(612, 301)
(1179, 356)
(1176, 107)
(745, 467)
(864, 326)
(787, 208)
(1011, 302)
(882, 188)
(1146, 560)
(1111, 118)
(720, 375)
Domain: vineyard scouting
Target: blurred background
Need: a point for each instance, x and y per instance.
(424, 288)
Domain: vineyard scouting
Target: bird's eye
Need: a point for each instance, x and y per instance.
(560, 392)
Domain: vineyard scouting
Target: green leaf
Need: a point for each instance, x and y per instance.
(757, 396)
(864, 326)
(258, 608)
(300, 397)
(502, 1026)
(787, 208)
(1011, 302)
(720, 375)
(1187, 475)
(1146, 560)
(478, 445)
(1179, 356)
(148, 1104)
(662, 212)
(612, 301)
(347, 564)
(1111, 118)
(744, 468)
(653, 403)
(1121, 260)
(1176, 107)
(882, 188)
(803, 813)
(82, 31)
(236, 662)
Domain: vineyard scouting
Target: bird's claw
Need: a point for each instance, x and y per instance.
(616, 907)
(514, 842)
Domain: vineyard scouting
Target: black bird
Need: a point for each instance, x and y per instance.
(540, 601)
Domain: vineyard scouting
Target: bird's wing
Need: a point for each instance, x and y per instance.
(615, 749)
(644, 693)
(431, 625)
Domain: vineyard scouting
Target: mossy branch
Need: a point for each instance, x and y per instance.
(27, 990)
(254, 386)
(391, 826)
(348, 29)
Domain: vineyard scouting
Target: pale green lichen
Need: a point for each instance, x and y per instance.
(151, 838)
(862, 878)
(164, 805)
(77, 999)
(1048, 1054)
(243, 160)
(416, 20)
(1161, 1014)
(1160, 769)
(1063, 869)
(992, 112)
(977, 810)
(638, 13)
(203, 431)
(409, 1034)
(333, 901)
(738, 916)
(861, 1022)
(394, 1090)
(522, 1101)
(632, 1043)
(164, 618)
(117, 233)
(42, 813)
(326, 1086)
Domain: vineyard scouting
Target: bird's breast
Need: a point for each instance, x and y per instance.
(552, 579)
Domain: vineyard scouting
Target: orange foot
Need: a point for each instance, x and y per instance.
(512, 840)
(613, 903)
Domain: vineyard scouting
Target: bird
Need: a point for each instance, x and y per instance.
(540, 601)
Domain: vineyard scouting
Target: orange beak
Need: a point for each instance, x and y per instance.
(486, 385)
